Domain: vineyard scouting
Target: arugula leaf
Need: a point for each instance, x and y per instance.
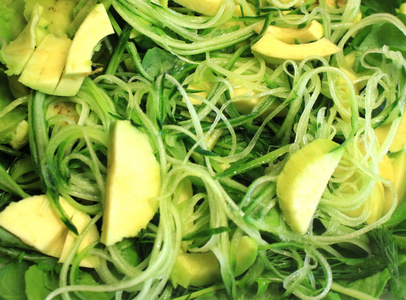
(38, 283)
(128, 251)
(372, 285)
(157, 61)
(87, 279)
(8, 239)
(384, 34)
(12, 283)
(379, 6)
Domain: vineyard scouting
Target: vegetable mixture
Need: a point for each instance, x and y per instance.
(202, 149)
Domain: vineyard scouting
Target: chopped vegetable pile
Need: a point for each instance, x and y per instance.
(202, 149)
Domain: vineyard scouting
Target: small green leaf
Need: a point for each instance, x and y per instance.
(12, 284)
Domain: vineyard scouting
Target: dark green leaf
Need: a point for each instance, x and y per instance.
(381, 6)
(157, 61)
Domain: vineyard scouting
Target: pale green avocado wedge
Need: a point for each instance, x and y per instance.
(12, 21)
(303, 180)
(94, 28)
(133, 183)
(57, 13)
(17, 53)
(275, 51)
(46, 64)
(200, 269)
(35, 223)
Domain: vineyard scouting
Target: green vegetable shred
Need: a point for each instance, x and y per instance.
(224, 110)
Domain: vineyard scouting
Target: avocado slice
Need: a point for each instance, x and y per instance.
(274, 50)
(399, 141)
(297, 190)
(313, 31)
(36, 224)
(133, 183)
(398, 160)
(16, 54)
(45, 67)
(94, 28)
(199, 269)
(57, 13)
(79, 59)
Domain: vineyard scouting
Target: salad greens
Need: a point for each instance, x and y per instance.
(222, 123)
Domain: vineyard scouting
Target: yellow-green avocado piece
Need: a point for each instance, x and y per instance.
(44, 69)
(36, 224)
(273, 50)
(133, 183)
(57, 13)
(95, 27)
(16, 54)
(303, 179)
(80, 220)
(79, 59)
(398, 160)
(313, 31)
(199, 269)
(399, 141)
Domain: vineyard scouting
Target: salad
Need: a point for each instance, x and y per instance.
(202, 149)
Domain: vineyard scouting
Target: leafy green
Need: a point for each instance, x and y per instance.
(38, 283)
(12, 285)
(128, 252)
(87, 279)
(157, 61)
(378, 6)
(9, 240)
(372, 285)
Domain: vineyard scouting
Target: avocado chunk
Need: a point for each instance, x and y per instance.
(36, 224)
(273, 50)
(12, 21)
(195, 269)
(13, 126)
(95, 27)
(43, 54)
(398, 160)
(79, 59)
(199, 269)
(16, 54)
(133, 183)
(44, 69)
(399, 141)
(313, 31)
(80, 220)
(57, 13)
(297, 191)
